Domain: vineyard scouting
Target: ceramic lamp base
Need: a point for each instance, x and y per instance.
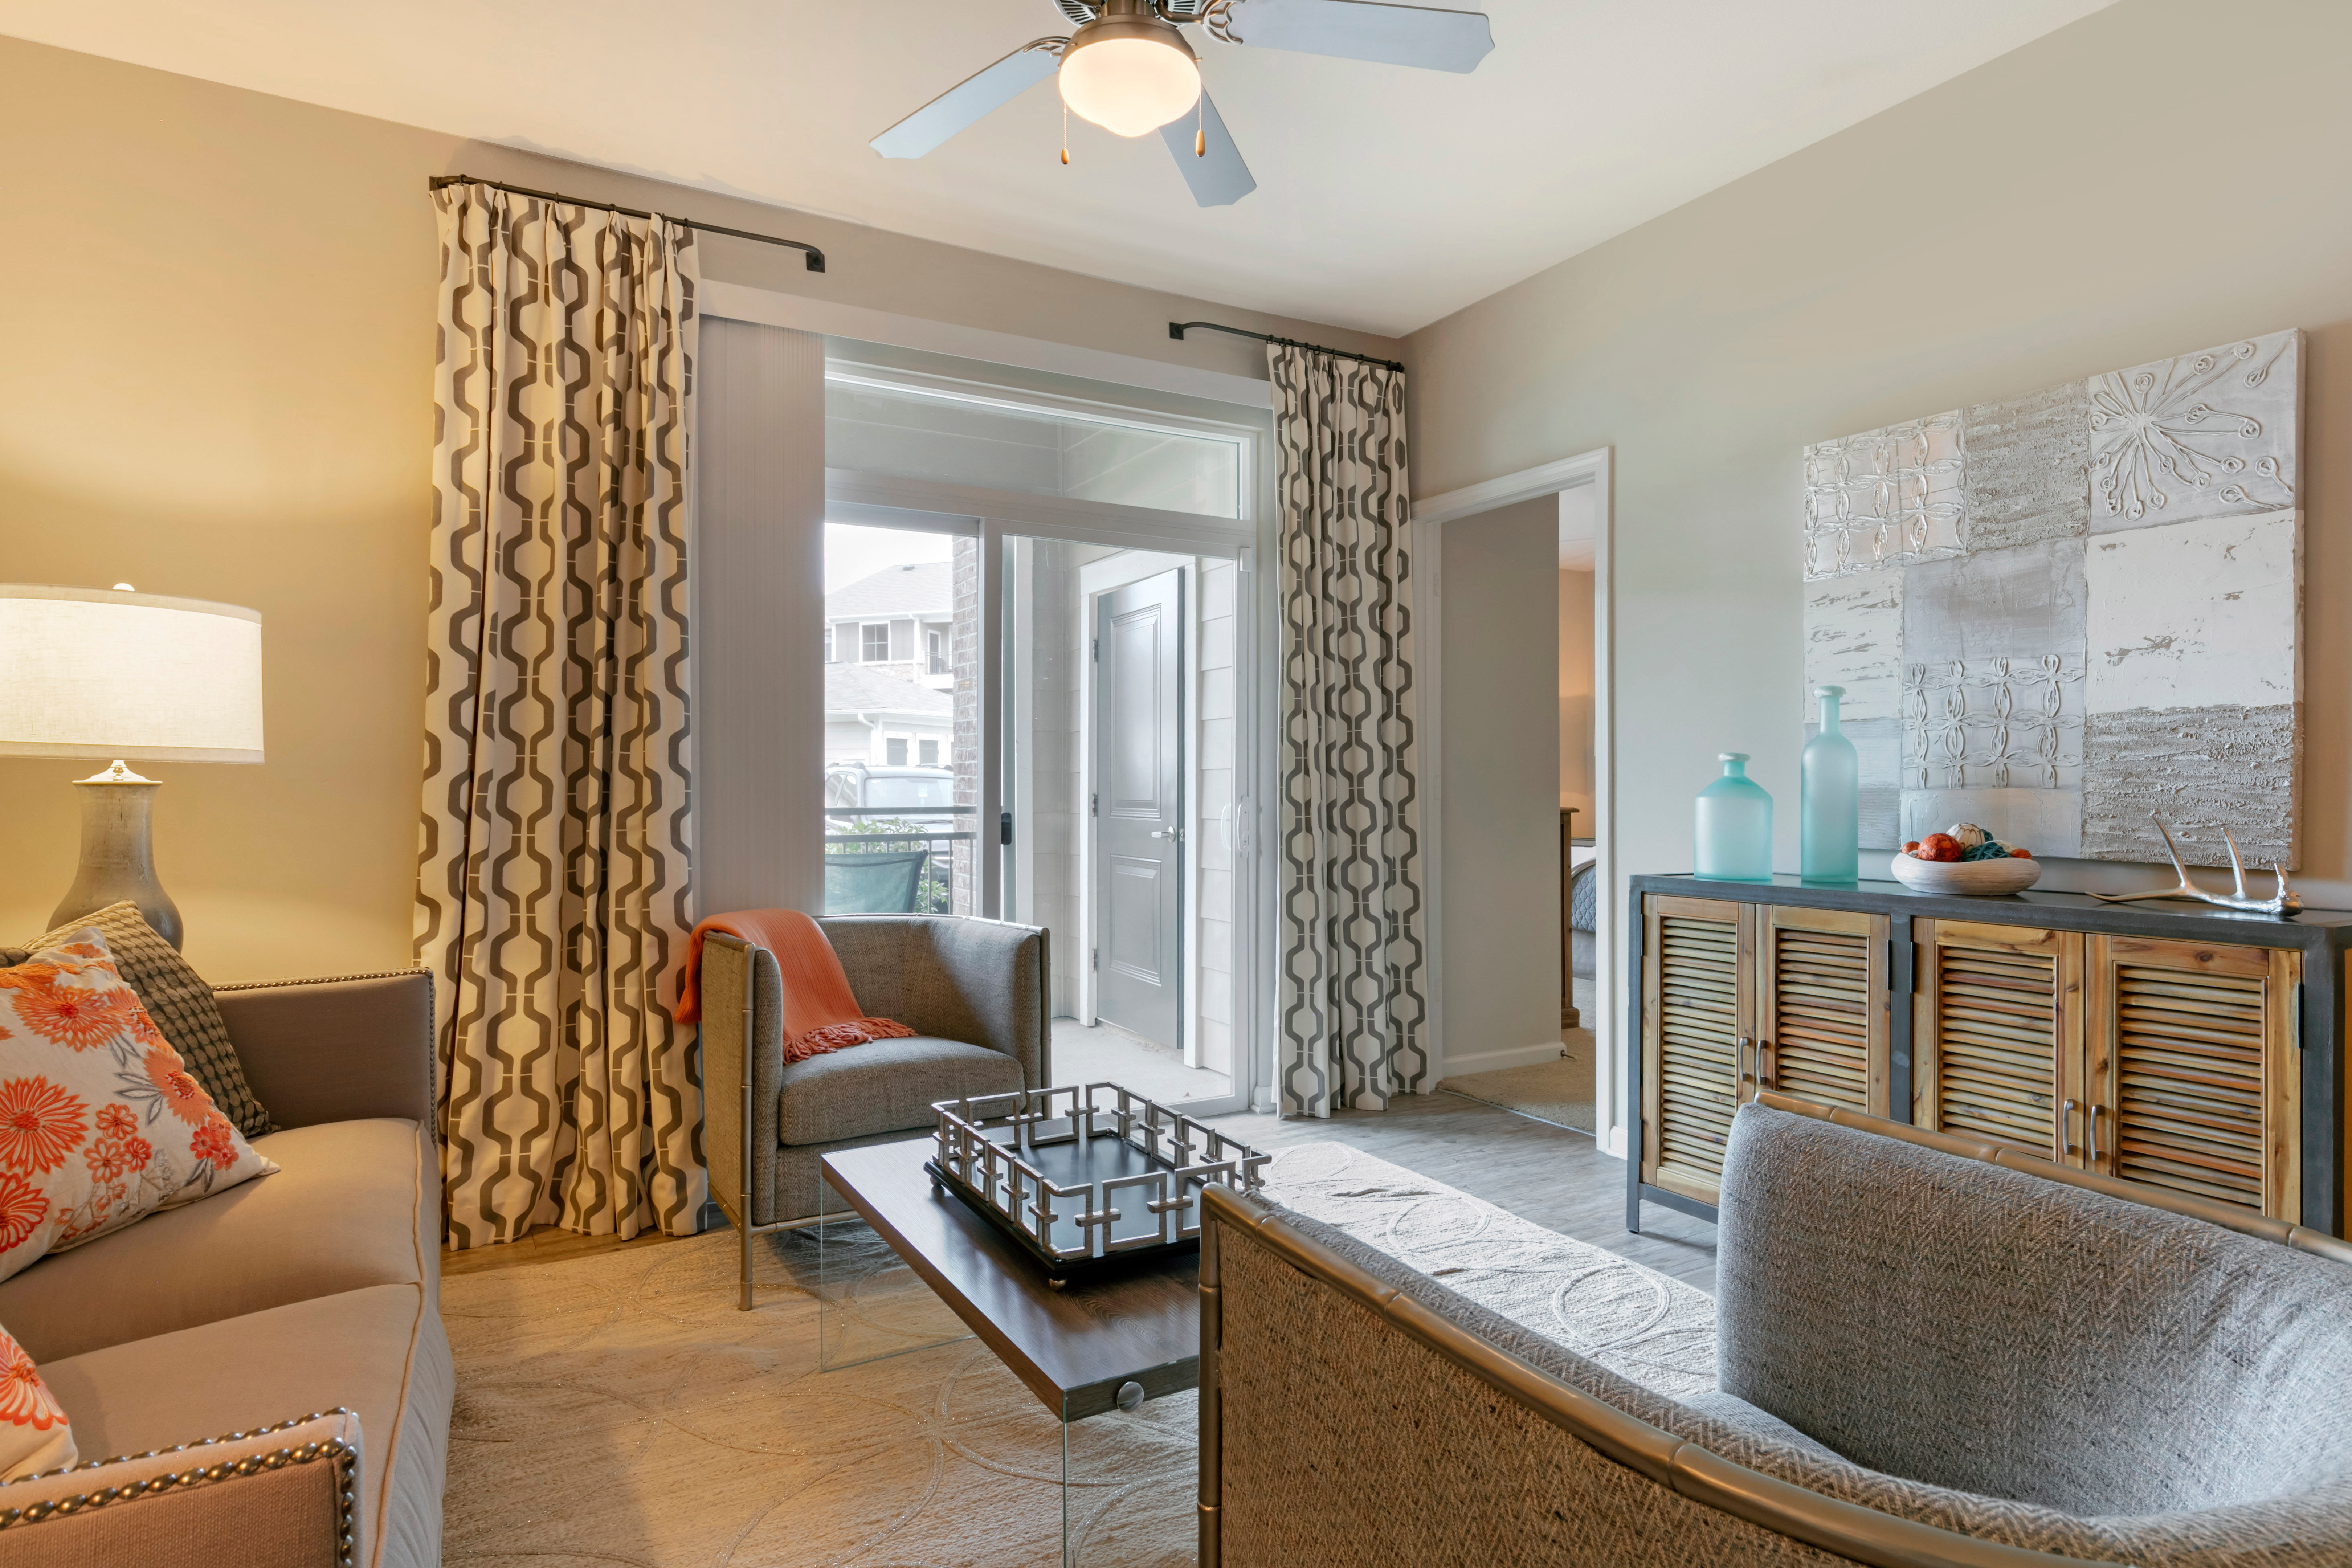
(118, 856)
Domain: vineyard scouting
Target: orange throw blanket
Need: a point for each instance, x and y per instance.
(820, 1013)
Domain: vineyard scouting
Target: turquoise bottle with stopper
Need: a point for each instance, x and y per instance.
(1828, 800)
(1734, 841)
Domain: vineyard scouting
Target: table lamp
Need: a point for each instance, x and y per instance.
(115, 673)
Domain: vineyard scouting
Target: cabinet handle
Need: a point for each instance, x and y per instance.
(1739, 1063)
(2066, 1127)
(2095, 1109)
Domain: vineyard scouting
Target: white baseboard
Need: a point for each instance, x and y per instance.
(1494, 1061)
(1614, 1144)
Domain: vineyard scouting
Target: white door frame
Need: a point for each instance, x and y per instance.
(1429, 514)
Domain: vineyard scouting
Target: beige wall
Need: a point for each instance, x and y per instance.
(2157, 178)
(218, 384)
(1576, 697)
(1499, 740)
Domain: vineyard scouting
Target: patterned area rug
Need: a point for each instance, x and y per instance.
(1639, 1323)
(618, 1409)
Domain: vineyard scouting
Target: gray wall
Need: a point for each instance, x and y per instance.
(760, 567)
(2161, 176)
(1498, 581)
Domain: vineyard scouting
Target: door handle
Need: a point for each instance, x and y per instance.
(1739, 1063)
(1176, 834)
(2065, 1126)
(2095, 1109)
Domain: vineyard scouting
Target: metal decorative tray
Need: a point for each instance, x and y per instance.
(1085, 1176)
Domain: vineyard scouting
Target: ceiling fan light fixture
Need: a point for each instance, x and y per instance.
(1129, 73)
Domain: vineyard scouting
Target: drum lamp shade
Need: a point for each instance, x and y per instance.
(97, 673)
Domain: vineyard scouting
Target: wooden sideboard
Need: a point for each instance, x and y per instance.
(2173, 1045)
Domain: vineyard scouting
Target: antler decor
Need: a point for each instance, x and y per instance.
(2286, 903)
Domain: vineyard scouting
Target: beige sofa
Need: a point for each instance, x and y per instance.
(314, 1288)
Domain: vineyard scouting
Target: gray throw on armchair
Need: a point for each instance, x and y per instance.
(972, 990)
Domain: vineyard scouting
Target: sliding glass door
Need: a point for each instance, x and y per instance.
(1037, 640)
(901, 677)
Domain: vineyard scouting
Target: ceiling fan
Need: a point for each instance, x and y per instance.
(1130, 69)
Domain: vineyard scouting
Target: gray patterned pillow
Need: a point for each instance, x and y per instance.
(182, 1004)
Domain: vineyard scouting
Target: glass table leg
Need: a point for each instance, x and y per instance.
(1105, 1516)
(870, 1305)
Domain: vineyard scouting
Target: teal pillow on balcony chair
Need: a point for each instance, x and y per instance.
(877, 884)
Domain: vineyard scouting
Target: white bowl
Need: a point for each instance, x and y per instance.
(1982, 878)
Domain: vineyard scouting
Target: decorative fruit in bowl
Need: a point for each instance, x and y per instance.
(1965, 858)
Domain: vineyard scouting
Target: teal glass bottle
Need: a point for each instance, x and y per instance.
(1735, 826)
(1828, 800)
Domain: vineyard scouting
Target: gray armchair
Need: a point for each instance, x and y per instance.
(974, 991)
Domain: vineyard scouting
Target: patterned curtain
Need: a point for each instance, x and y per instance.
(1354, 972)
(552, 892)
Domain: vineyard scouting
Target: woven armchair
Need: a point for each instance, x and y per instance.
(973, 991)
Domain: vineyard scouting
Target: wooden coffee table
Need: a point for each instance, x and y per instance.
(1075, 1348)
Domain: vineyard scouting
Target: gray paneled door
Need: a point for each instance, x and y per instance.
(1138, 808)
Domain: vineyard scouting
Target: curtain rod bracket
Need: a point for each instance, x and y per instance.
(816, 258)
(1177, 330)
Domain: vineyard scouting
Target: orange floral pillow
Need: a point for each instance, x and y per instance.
(101, 1122)
(33, 1434)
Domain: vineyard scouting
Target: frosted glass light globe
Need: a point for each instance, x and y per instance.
(1129, 86)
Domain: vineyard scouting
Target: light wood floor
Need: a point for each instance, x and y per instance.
(1557, 1178)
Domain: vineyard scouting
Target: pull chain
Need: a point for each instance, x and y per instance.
(1200, 131)
(1065, 133)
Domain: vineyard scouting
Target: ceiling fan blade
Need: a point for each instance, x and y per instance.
(1360, 30)
(971, 101)
(1218, 177)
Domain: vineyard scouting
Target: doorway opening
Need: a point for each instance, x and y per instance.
(1035, 638)
(1119, 794)
(1514, 553)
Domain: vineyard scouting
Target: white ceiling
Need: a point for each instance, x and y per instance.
(1387, 197)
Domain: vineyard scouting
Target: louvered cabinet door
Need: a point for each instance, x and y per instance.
(1821, 1024)
(1997, 1035)
(1696, 965)
(2194, 1073)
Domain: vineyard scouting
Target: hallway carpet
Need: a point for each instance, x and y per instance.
(1560, 1092)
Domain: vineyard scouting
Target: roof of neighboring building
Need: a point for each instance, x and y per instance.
(854, 688)
(926, 587)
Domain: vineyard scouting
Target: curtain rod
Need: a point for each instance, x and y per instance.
(815, 256)
(1176, 328)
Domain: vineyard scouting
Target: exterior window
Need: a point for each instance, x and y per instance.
(935, 641)
(876, 643)
(929, 752)
(828, 642)
(895, 751)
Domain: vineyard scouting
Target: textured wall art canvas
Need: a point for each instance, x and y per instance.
(2058, 614)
